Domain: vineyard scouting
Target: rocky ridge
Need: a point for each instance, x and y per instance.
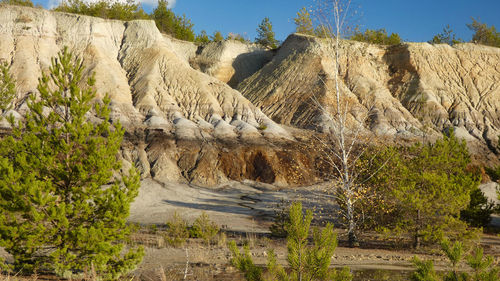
(404, 91)
(230, 111)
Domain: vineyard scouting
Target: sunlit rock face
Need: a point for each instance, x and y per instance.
(231, 111)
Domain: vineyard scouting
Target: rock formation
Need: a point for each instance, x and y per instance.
(232, 111)
(391, 90)
(231, 61)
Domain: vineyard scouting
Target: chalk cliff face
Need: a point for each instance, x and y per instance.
(395, 91)
(227, 111)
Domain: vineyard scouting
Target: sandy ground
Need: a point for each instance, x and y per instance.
(245, 209)
(242, 207)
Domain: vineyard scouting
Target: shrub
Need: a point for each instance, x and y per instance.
(55, 213)
(376, 37)
(244, 263)
(129, 10)
(236, 37)
(204, 228)
(217, 37)
(7, 87)
(446, 37)
(202, 38)
(25, 3)
(177, 231)
(281, 219)
(482, 267)
(478, 213)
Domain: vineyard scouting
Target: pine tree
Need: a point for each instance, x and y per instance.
(303, 22)
(484, 34)
(425, 187)
(305, 262)
(483, 268)
(63, 203)
(446, 37)
(265, 34)
(167, 22)
(7, 87)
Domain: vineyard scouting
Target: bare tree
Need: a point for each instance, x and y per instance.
(347, 139)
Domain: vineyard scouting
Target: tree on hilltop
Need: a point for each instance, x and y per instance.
(304, 22)
(202, 38)
(446, 37)
(63, 202)
(178, 26)
(217, 37)
(379, 36)
(265, 34)
(484, 34)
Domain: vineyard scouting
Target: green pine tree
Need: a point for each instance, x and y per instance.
(424, 188)
(482, 268)
(63, 203)
(167, 22)
(265, 34)
(303, 22)
(306, 262)
(7, 87)
(484, 34)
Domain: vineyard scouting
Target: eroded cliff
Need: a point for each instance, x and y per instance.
(231, 111)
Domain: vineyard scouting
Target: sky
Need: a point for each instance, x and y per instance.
(414, 21)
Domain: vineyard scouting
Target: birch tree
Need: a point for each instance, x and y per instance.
(345, 146)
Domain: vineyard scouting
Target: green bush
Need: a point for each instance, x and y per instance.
(177, 231)
(244, 263)
(7, 87)
(446, 37)
(25, 3)
(303, 22)
(104, 9)
(379, 36)
(204, 228)
(165, 19)
(217, 37)
(202, 38)
(236, 37)
(494, 172)
(482, 268)
(55, 214)
(478, 213)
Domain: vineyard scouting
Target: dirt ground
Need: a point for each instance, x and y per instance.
(244, 211)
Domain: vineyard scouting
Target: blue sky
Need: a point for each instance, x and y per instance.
(413, 20)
